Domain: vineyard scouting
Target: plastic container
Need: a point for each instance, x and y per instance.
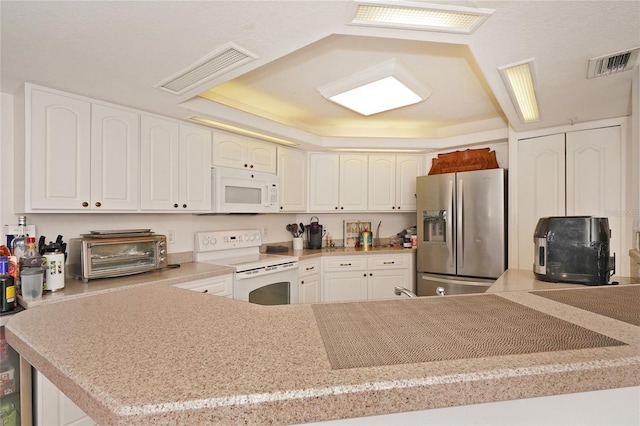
(31, 283)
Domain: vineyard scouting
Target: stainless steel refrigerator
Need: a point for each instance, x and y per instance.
(461, 231)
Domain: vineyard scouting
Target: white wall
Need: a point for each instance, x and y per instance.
(183, 225)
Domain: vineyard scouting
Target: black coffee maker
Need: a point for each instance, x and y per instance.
(315, 233)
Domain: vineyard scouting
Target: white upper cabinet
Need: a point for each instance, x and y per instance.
(353, 182)
(175, 166)
(195, 168)
(292, 171)
(324, 182)
(79, 156)
(241, 152)
(337, 182)
(115, 144)
(159, 163)
(57, 152)
(392, 182)
(575, 173)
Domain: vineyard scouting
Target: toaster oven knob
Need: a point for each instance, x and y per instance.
(162, 259)
(163, 251)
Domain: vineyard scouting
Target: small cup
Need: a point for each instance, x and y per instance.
(31, 283)
(297, 243)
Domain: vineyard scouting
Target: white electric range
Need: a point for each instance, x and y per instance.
(265, 279)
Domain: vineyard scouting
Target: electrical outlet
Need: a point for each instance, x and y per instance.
(265, 231)
(170, 236)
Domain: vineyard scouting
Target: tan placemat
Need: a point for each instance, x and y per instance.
(388, 332)
(621, 303)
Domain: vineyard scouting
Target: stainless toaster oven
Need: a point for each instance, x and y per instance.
(107, 256)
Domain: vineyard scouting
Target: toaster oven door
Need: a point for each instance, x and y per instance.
(121, 257)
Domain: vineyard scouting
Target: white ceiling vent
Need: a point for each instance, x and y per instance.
(610, 64)
(222, 60)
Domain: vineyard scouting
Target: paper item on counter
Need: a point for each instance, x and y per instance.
(352, 230)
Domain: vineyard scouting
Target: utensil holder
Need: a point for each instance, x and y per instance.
(298, 243)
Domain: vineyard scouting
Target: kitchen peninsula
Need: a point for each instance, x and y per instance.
(155, 354)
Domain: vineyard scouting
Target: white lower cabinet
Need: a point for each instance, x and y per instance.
(218, 286)
(364, 277)
(54, 408)
(310, 290)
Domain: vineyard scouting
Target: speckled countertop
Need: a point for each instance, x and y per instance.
(156, 354)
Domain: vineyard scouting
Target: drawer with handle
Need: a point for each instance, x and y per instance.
(338, 263)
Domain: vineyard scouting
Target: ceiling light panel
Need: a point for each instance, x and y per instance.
(520, 82)
(380, 88)
(421, 16)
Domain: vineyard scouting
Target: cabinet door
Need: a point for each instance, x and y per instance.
(353, 183)
(159, 165)
(324, 182)
(345, 286)
(229, 150)
(261, 156)
(382, 183)
(541, 188)
(195, 169)
(292, 171)
(382, 284)
(310, 289)
(594, 178)
(58, 152)
(115, 146)
(54, 408)
(408, 168)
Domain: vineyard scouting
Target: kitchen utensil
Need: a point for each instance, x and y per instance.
(31, 283)
(301, 228)
(294, 227)
(54, 269)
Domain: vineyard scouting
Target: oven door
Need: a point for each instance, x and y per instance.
(273, 285)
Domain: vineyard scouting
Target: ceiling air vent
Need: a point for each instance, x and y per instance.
(228, 57)
(613, 63)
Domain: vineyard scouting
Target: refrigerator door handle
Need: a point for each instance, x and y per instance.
(460, 223)
(449, 224)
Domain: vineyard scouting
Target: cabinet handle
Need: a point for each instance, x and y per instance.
(388, 263)
(364, 275)
(398, 207)
(184, 206)
(370, 274)
(98, 203)
(341, 208)
(281, 207)
(393, 208)
(345, 264)
(246, 165)
(85, 204)
(309, 268)
(336, 208)
(175, 206)
(251, 166)
(206, 291)
(301, 282)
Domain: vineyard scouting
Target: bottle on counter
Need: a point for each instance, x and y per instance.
(7, 287)
(19, 242)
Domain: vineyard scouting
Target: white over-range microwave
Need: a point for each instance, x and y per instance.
(243, 191)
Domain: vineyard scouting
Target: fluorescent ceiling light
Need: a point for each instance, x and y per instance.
(420, 16)
(375, 150)
(241, 131)
(519, 80)
(381, 88)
